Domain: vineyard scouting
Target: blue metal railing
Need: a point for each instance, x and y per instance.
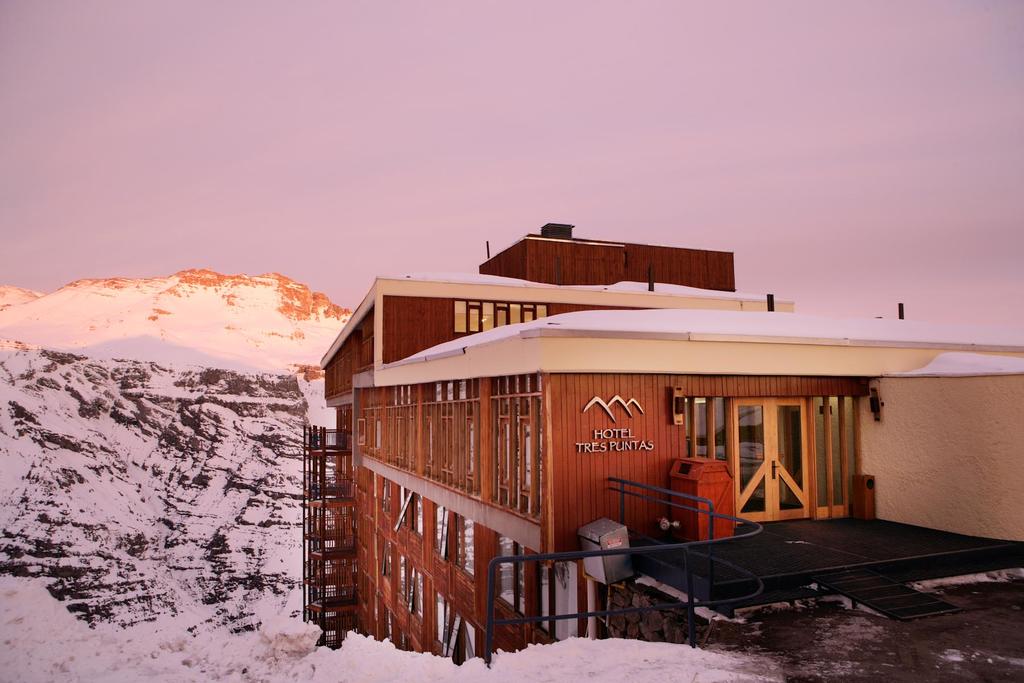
(623, 486)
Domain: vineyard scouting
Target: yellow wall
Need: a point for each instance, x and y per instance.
(949, 453)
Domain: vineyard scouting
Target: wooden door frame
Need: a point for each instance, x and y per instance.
(831, 510)
(804, 491)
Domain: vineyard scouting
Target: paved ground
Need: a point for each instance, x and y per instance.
(826, 641)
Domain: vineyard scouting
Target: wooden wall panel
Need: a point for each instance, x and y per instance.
(676, 265)
(578, 482)
(508, 263)
(573, 263)
(415, 323)
(593, 262)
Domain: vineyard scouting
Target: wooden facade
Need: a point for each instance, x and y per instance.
(579, 491)
(594, 262)
(529, 452)
(415, 323)
(354, 356)
(535, 446)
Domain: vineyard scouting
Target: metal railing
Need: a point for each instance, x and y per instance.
(623, 486)
(323, 439)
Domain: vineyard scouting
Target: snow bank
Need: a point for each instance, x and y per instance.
(999, 576)
(43, 642)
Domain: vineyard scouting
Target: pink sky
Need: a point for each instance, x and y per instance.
(852, 155)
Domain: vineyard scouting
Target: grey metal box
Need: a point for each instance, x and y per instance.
(604, 534)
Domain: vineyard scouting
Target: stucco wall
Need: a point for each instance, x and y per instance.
(949, 453)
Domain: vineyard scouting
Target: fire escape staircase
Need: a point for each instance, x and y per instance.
(329, 533)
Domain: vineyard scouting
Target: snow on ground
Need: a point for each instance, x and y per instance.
(43, 642)
(1000, 576)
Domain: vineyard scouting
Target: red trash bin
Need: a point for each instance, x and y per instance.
(709, 479)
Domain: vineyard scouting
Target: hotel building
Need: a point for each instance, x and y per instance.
(483, 415)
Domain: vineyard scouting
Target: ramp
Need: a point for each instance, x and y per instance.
(882, 594)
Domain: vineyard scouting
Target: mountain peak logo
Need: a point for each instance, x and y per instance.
(607, 405)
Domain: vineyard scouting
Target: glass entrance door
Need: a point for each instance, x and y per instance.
(770, 460)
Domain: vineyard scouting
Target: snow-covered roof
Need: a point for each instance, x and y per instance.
(959, 364)
(746, 326)
(660, 288)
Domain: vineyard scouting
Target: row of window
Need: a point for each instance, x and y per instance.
(526, 588)
(479, 316)
(450, 415)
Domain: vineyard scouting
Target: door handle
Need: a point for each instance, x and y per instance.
(775, 465)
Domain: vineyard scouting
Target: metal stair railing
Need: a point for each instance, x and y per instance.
(690, 604)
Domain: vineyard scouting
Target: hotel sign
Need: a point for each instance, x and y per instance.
(615, 440)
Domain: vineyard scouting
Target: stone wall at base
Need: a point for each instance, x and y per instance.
(654, 627)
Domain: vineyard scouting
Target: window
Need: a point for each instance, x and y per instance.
(460, 316)
(441, 538)
(487, 317)
(417, 517)
(385, 560)
(705, 427)
(404, 499)
(411, 587)
(442, 619)
(451, 435)
(517, 443)
(385, 503)
(417, 599)
(835, 452)
(480, 316)
(403, 578)
(719, 428)
(545, 595)
(465, 549)
(400, 429)
(700, 427)
(511, 577)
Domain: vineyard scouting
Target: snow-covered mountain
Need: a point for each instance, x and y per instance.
(12, 296)
(147, 491)
(242, 322)
(150, 455)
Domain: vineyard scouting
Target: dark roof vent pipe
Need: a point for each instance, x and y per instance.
(558, 231)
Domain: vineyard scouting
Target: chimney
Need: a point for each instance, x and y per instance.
(558, 231)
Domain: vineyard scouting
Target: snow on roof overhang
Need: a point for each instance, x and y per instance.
(632, 288)
(744, 327)
(966, 365)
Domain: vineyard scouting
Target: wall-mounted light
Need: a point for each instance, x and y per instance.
(678, 406)
(876, 404)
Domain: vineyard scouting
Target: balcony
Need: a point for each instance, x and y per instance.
(322, 439)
